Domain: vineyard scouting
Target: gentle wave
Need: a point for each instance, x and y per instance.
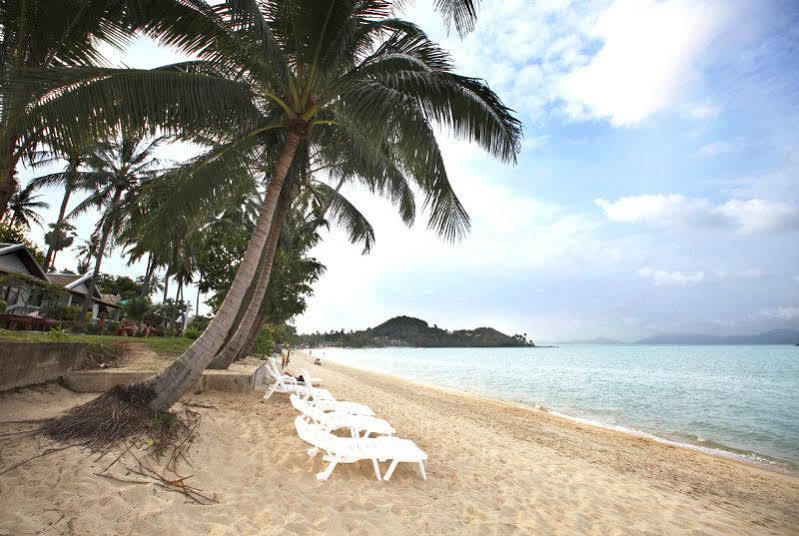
(709, 447)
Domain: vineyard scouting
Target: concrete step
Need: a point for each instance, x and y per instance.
(238, 379)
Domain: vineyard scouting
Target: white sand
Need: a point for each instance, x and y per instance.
(494, 468)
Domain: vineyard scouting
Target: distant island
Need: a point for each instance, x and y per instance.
(775, 336)
(414, 332)
(597, 340)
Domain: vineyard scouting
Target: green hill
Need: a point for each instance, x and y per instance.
(409, 331)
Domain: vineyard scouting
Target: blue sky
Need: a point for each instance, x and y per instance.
(658, 187)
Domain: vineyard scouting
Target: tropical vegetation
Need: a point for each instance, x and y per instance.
(414, 332)
(288, 101)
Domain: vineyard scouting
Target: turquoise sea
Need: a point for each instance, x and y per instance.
(741, 401)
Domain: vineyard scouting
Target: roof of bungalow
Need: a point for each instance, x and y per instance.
(73, 282)
(68, 281)
(25, 256)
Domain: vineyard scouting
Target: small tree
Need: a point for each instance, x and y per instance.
(60, 236)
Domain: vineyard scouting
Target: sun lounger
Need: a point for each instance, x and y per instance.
(288, 384)
(314, 381)
(331, 404)
(350, 450)
(358, 425)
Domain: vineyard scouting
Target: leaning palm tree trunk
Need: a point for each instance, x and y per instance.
(169, 385)
(252, 336)
(237, 342)
(107, 226)
(50, 258)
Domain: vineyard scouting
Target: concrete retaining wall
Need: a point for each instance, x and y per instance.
(29, 363)
(241, 380)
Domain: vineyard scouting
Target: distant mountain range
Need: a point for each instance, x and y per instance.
(775, 336)
(414, 332)
(598, 340)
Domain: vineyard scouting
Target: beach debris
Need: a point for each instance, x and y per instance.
(104, 424)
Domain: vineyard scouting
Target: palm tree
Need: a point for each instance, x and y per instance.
(59, 237)
(23, 208)
(407, 62)
(86, 252)
(323, 198)
(296, 75)
(325, 77)
(45, 34)
(120, 167)
(300, 233)
(72, 179)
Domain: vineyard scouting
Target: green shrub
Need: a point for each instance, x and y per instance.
(53, 310)
(191, 333)
(59, 311)
(200, 322)
(110, 326)
(73, 312)
(94, 329)
(265, 343)
(162, 421)
(3, 305)
(58, 333)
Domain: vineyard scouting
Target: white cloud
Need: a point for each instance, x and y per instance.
(780, 183)
(704, 111)
(751, 273)
(758, 215)
(620, 60)
(664, 278)
(714, 149)
(780, 313)
(663, 209)
(678, 211)
(649, 51)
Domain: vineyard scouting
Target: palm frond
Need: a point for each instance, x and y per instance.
(81, 102)
(346, 215)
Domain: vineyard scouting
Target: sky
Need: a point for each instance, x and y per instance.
(657, 189)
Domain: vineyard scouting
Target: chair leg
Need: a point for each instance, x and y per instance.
(421, 470)
(269, 392)
(376, 467)
(324, 475)
(312, 451)
(391, 468)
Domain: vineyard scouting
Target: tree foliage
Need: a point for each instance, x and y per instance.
(14, 234)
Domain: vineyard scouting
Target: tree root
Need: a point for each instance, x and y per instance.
(122, 418)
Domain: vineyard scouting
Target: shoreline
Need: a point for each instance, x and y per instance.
(748, 457)
(493, 467)
(776, 466)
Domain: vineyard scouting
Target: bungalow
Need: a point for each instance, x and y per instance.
(17, 292)
(21, 276)
(78, 287)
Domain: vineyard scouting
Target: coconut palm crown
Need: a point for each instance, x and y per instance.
(342, 84)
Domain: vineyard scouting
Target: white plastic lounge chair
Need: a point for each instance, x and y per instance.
(343, 406)
(331, 404)
(288, 384)
(350, 450)
(314, 381)
(358, 425)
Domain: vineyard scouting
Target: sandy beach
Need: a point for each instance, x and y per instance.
(493, 468)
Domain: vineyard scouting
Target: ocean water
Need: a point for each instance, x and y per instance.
(740, 401)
